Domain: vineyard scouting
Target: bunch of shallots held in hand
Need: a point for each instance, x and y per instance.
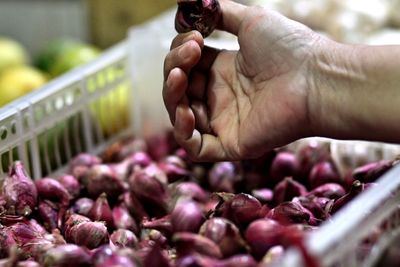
(144, 203)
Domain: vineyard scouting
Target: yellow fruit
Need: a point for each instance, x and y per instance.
(112, 110)
(11, 54)
(18, 81)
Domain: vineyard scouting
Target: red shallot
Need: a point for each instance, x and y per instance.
(200, 15)
(19, 191)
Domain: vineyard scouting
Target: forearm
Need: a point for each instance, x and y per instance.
(355, 92)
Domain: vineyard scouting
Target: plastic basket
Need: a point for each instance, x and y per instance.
(82, 111)
(75, 113)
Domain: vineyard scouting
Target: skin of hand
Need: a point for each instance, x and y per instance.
(284, 83)
(239, 104)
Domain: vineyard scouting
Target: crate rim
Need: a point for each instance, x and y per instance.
(114, 53)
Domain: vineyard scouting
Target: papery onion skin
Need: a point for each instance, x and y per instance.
(138, 158)
(80, 164)
(68, 255)
(291, 212)
(272, 255)
(149, 186)
(222, 177)
(125, 168)
(82, 206)
(285, 164)
(7, 219)
(156, 257)
(287, 189)
(101, 211)
(356, 188)
(238, 260)
(89, 234)
(318, 206)
(162, 224)
(71, 221)
(80, 230)
(161, 145)
(51, 189)
(192, 190)
(241, 208)
(225, 234)
(104, 179)
(134, 206)
(7, 241)
(195, 260)
(49, 215)
(38, 228)
(19, 191)
(264, 195)
(372, 171)
(28, 263)
(202, 16)
(322, 173)
(84, 159)
(261, 235)
(188, 243)
(187, 217)
(174, 167)
(309, 155)
(101, 254)
(123, 238)
(122, 149)
(123, 220)
(71, 184)
(158, 238)
(32, 242)
(118, 261)
(329, 190)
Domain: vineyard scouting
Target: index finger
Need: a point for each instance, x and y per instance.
(185, 37)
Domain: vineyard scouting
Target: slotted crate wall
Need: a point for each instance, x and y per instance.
(78, 112)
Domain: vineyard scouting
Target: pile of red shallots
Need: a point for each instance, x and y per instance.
(144, 203)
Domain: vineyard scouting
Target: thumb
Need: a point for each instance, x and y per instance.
(232, 16)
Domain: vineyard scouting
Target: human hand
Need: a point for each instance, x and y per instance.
(230, 105)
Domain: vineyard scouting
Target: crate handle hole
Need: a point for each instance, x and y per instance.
(3, 133)
(13, 127)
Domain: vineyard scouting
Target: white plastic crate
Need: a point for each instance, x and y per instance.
(75, 113)
(85, 106)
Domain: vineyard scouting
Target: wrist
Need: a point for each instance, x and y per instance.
(336, 78)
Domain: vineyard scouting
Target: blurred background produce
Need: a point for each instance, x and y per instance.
(16, 81)
(62, 55)
(11, 53)
(21, 73)
(46, 39)
(16, 76)
(349, 21)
